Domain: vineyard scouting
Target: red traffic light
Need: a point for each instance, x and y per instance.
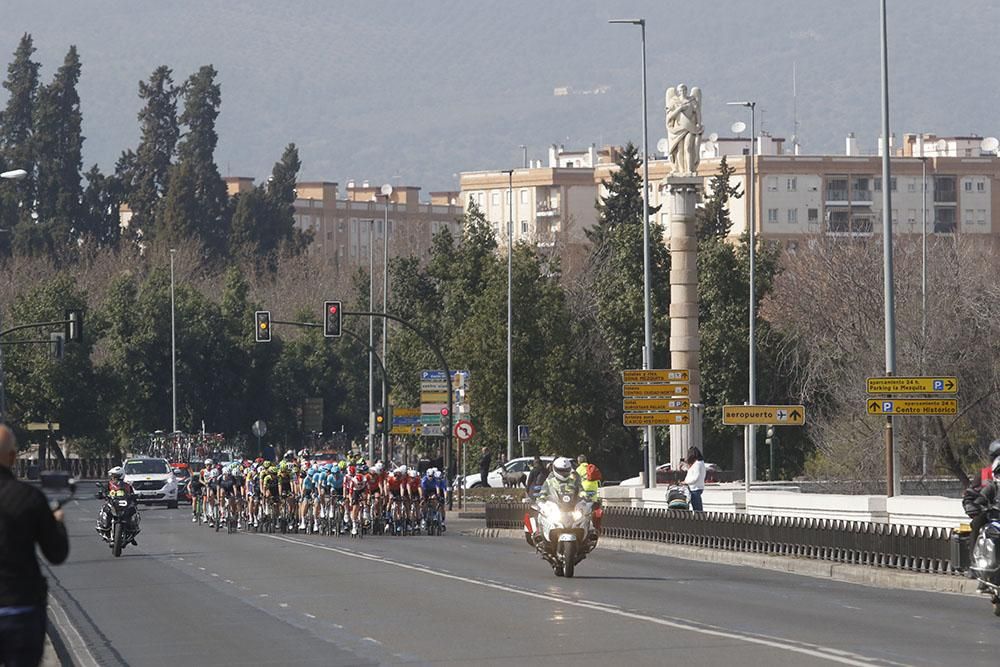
(333, 309)
(444, 412)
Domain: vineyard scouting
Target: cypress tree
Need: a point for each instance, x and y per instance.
(16, 150)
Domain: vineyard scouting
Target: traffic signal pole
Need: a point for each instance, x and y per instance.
(73, 324)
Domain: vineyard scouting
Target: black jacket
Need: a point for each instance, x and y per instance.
(979, 498)
(26, 520)
(537, 476)
(484, 462)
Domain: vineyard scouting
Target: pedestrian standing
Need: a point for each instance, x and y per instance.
(536, 477)
(484, 466)
(695, 479)
(25, 520)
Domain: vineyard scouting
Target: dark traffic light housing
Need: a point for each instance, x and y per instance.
(379, 419)
(57, 345)
(769, 440)
(331, 319)
(262, 326)
(444, 417)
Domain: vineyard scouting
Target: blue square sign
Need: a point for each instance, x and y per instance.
(886, 406)
(938, 385)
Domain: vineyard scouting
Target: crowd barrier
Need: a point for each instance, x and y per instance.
(914, 548)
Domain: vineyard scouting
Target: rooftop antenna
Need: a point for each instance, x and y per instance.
(795, 112)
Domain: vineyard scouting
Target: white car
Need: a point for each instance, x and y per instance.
(495, 478)
(152, 479)
(661, 474)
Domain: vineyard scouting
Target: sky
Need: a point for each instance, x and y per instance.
(413, 93)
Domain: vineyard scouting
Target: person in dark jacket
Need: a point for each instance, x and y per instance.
(484, 466)
(539, 472)
(25, 520)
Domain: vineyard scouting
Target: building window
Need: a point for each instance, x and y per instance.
(813, 215)
(772, 183)
(329, 236)
(496, 199)
(524, 197)
(911, 216)
(969, 214)
(980, 185)
(968, 185)
(793, 216)
(772, 215)
(895, 216)
(791, 184)
(981, 216)
(524, 226)
(910, 187)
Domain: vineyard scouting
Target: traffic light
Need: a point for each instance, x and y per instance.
(56, 345)
(769, 440)
(444, 417)
(262, 328)
(74, 325)
(379, 419)
(331, 319)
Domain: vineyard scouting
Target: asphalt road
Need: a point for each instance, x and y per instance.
(189, 596)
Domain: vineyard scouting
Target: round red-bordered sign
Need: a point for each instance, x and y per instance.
(464, 430)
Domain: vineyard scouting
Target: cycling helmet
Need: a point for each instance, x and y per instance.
(377, 468)
(342, 465)
(412, 473)
(227, 472)
(209, 463)
(283, 466)
(289, 455)
(562, 468)
(401, 470)
(437, 474)
(303, 453)
(116, 473)
(996, 467)
(363, 468)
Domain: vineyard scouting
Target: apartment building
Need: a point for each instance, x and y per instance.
(950, 184)
(343, 227)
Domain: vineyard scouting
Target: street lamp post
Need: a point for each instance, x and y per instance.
(510, 313)
(647, 351)
(923, 302)
(12, 175)
(371, 340)
(173, 347)
(750, 435)
(891, 465)
(386, 194)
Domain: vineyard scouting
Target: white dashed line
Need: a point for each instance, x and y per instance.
(813, 650)
(309, 616)
(283, 605)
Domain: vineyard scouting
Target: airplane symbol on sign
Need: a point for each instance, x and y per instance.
(781, 415)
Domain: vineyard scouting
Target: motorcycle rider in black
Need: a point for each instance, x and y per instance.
(115, 487)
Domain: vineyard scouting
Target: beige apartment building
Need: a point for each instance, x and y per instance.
(343, 227)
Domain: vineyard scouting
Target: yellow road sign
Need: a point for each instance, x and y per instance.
(913, 385)
(912, 406)
(778, 415)
(655, 418)
(407, 412)
(656, 375)
(405, 429)
(639, 390)
(643, 404)
(42, 426)
(433, 397)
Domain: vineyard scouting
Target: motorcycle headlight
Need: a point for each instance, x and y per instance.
(985, 554)
(550, 510)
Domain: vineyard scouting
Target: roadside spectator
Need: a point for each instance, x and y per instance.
(484, 466)
(25, 519)
(695, 478)
(536, 477)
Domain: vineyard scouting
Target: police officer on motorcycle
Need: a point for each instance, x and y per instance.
(978, 499)
(116, 486)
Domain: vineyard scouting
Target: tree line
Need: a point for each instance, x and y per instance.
(67, 245)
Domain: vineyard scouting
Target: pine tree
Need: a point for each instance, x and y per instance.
(16, 150)
(102, 200)
(616, 268)
(712, 219)
(58, 143)
(148, 169)
(196, 203)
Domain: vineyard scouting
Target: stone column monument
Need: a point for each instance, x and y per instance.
(683, 188)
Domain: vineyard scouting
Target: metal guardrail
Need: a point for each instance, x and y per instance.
(95, 468)
(912, 548)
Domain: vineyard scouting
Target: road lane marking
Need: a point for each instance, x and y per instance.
(76, 645)
(283, 605)
(793, 646)
(309, 616)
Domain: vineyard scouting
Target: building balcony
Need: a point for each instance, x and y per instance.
(945, 197)
(547, 208)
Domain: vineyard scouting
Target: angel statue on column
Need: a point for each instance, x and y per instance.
(684, 128)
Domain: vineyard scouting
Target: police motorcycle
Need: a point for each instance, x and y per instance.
(985, 564)
(562, 532)
(118, 524)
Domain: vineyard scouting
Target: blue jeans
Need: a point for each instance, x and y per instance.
(696, 505)
(22, 638)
